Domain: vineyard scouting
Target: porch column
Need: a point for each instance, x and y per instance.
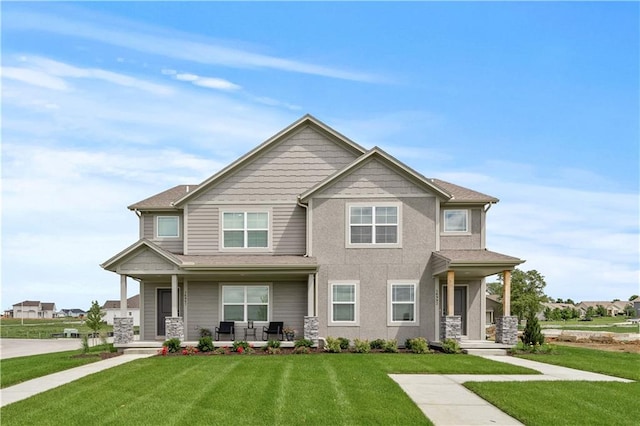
(311, 323)
(311, 302)
(506, 325)
(123, 295)
(450, 292)
(174, 295)
(174, 325)
(506, 296)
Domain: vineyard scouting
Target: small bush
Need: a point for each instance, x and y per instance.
(450, 346)
(205, 344)
(273, 344)
(271, 350)
(407, 344)
(333, 345)
(242, 347)
(361, 346)
(419, 345)
(220, 351)
(344, 343)
(306, 343)
(377, 344)
(189, 350)
(205, 332)
(532, 334)
(522, 348)
(85, 344)
(301, 350)
(172, 345)
(390, 346)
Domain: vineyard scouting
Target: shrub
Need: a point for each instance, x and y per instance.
(390, 346)
(532, 334)
(419, 345)
(205, 332)
(271, 350)
(306, 343)
(85, 344)
(450, 346)
(205, 344)
(344, 343)
(189, 350)
(377, 344)
(333, 345)
(407, 344)
(172, 345)
(523, 348)
(361, 346)
(273, 344)
(242, 346)
(301, 350)
(220, 351)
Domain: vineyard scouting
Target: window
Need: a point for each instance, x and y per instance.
(245, 303)
(373, 224)
(343, 303)
(456, 221)
(167, 227)
(245, 229)
(402, 303)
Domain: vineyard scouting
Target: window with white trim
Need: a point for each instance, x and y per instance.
(403, 303)
(456, 221)
(167, 227)
(245, 303)
(245, 229)
(343, 303)
(373, 224)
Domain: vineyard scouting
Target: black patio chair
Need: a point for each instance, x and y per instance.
(226, 327)
(275, 327)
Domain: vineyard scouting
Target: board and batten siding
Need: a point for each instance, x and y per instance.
(288, 228)
(203, 307)
(285, 170)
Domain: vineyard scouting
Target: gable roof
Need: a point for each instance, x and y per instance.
(163, 200)
(28, 303)
(132, 303)
(135, 247)
(306, 120)
(48, 306)
(388, 161)
(460, 194)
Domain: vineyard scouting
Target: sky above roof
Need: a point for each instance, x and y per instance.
(107, 103)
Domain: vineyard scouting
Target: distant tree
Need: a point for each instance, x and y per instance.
(591, 312)
(548, 314)
(635, 296)
(559, 300)
(601, 310)
(94, 319)
(494, 288)
(527, 293)
(615, 300)
(629, 311)
(570, 302)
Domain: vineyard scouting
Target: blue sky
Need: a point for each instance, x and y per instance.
(104, 104)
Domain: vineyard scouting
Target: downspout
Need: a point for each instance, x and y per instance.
(306, 217)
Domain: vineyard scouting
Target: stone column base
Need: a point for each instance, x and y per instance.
(507, 330)
(450, 327)
(174, 328)
(311, 329)
(122, 330)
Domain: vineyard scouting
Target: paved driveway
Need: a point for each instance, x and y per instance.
(11, 348)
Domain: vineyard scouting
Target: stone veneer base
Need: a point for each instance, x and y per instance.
(451, 327)
(507, 330)
(174, 328)
(122, 330)
(311, 329)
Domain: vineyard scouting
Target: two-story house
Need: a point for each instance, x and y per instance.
(312, 229)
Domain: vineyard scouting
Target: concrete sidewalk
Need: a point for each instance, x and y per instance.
(32, 387)
(444, 400)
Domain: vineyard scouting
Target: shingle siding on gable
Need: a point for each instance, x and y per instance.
(372, 179)
(146, 260)
(284, 171)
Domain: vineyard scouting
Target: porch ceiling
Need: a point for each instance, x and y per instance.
(472, 263)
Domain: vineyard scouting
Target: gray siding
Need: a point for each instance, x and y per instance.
(147, 226)
(290, 305)
(174, 245)
(202, 308)
(148, 319)
(146, 260)
(462, 242)
(373, 178)
(288, 229)
(287, 169)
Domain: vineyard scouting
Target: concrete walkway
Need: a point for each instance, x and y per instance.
(32, 387)
(444, 400)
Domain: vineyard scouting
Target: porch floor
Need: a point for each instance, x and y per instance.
(479, 347)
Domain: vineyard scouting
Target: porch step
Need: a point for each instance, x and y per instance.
(140, 351)
(482, 352)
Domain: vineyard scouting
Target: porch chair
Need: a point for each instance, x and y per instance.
(226, 327)
(275, 327)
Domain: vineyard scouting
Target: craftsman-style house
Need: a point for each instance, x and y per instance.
(313, 230)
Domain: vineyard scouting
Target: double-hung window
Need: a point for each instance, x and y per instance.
(245, 229)
(167, 227)
(456, 221)
(402, 303)
(245, 303)
(374, 224)
(343, 303)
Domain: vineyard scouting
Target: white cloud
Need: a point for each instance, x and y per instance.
(186, 77)
(216, 83)
(34, 78)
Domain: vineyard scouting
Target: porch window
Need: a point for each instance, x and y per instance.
(167, 227)
(456, 221)
(245, 303)
(374, 224)
(245, 229)
(343, 303)
(402, 303)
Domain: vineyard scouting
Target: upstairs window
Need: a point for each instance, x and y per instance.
(245, 229)
(167, 227)
(456, 221)
(373, 224)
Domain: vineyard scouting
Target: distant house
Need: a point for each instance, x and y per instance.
(552, 306)
(8, 313)
(34, 309)
(112, 309)
(636, 305)
(493, 308)
(613, 308)
(74, 313)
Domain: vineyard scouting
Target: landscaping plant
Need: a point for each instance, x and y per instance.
(333, 345)
(451, 346)
(205, 344)
(172, 345)
(361, 346)
(532, 334)
(94, 319)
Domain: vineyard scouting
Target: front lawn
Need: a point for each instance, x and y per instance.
(245, 389)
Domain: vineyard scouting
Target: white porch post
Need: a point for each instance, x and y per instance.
(123, 296)
(174, 295)
(311, 296)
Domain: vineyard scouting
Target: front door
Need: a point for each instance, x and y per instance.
(163, 309)
(459, 304)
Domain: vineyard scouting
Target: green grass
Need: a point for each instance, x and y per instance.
(291, 389)
(571, 403)
(18, 370)
(595, 321)
(42, 328)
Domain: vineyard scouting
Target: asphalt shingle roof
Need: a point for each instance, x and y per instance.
(163, 199)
